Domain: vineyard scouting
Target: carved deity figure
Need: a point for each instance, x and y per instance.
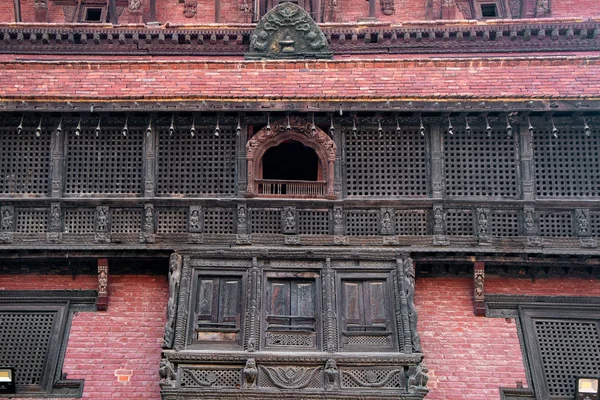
(103, 283)
(40, 4)
(102, 220)
(386, 222)
(387, 7)
(174, 280)
(479, 282)
(242, 215)
(189, 8)
(135, 5)
(582, 223)
(250, 372)
(338, 217)
(417, 377)
(55, 216)
(7, 219)
(529, 221)
(149, 218)
(290, 220)
(483, 223)
(195, 219)
(409, 288)
(331, 373)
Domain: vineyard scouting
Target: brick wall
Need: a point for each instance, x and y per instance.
(459, 346)
(468, 357)
(125, 340)
(575, 8)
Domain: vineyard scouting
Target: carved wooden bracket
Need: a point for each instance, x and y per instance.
(102, 302)
(479, 285)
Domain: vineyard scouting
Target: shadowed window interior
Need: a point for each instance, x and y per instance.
(290, 161)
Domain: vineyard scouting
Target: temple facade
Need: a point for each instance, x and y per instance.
(311, 199)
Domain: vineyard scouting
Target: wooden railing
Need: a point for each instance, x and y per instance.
(291, 188)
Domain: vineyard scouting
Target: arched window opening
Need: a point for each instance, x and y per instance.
(291, 161)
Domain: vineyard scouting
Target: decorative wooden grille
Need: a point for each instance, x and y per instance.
(203, 164)
(567, 165)
(80, 221)
(126, 220)
(505, 223)
(568, 349)
(24, 161)
(556, 224)
(109, 163)
(31, 220)
(314, 222)
(305, 378)
(379, 378)
(390, 164)
(480, 166)
(172, 220)
(595, 223)
(362, 223)
(459, 223)
(231, 378)
(265, 221)
(218, 220)
(25, 340)
(411, 223)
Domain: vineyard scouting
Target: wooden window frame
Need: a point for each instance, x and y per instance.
(390, 326)
(315, 332)
(221, 334)
(64, 304)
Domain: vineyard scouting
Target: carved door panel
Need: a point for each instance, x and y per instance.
(218, 308)
(291, 305)
(364, 306)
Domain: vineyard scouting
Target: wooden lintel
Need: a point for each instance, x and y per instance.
(479, 288)
(102, 303)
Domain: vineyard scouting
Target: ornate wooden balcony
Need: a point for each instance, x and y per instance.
(283, 188)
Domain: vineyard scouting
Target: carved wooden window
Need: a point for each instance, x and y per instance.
(561, 344)
(480, 166)
(34, 328)
(567, 165)
(386, 164)
(24, 161)
(365, 314)
(291, 320)
(217, 309)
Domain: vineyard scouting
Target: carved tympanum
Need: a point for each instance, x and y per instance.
(287, 31)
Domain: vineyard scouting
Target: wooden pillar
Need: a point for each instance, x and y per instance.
(437, 161)
(527, 162)
(338, 177)
(150, 159)
(479, 292)
(102, 302)
(57, 144)
(217, 11)
(240, 146)
(17, 4)
(372, 5)
(112, 12)
(152, 11)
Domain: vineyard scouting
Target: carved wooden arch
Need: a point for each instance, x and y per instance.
(295, 129)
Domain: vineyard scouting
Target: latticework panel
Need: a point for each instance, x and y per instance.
(31, 220)
(80, 221)
(369, 378)
(459, 223)
(24, 162)
(226, 378)
(265, 221)
(390, 164)
(109, 163)
(290, 339)
(313, 222)
(25, 338)
(595, 223)
(568, 349)
(368, 340)
(172, 220)
(480, 166)
(202, 164)
(411, 223)
(362, 222)
(218, 220)
(505, 223)
(126, 220)
(567, 165)
(556, 224)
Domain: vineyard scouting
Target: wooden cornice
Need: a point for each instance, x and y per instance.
(499, 36)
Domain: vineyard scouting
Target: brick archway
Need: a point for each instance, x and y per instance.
(292, 129)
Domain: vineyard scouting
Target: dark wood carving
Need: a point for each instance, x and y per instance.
(479, 288)
(409, 288)
(175, 265)
(287, 31)
(102, 303)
